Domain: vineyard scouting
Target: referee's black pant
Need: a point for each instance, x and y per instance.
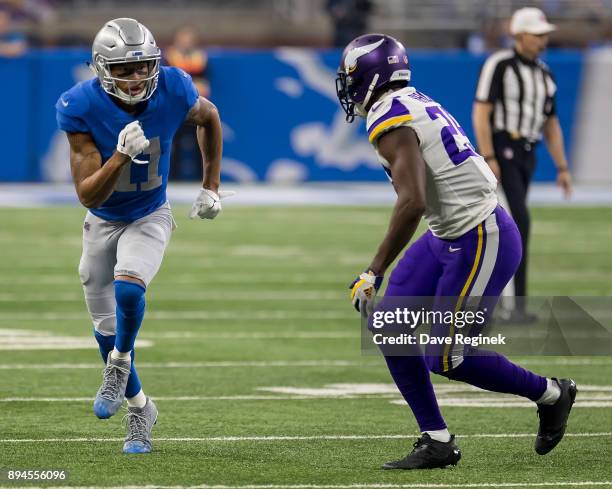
(516, 158)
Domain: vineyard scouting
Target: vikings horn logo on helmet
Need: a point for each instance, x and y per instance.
(350, 61)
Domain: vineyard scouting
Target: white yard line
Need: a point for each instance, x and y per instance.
(281, 363)
(178, 278)
(8, 337)
(596, 401)
(195, 315)
(220, 364)
(290, 438)
(348, 486)
(247, 397)
(188, 296)
(253, 335)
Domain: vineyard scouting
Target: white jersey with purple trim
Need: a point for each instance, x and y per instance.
(460, 184)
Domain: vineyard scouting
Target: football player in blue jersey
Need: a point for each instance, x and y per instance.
(120, 127)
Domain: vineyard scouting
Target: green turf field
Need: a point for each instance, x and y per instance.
(252, 352)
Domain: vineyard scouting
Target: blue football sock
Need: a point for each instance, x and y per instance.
(130, 311)
(106, 345)
(492, 371)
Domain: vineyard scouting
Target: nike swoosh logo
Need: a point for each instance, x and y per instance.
(452, 250)
(64, 103)
(375, 107)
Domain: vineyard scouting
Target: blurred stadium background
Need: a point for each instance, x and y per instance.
(250, 346)
(269, 67)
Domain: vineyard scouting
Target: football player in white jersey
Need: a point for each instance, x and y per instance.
(472, 247)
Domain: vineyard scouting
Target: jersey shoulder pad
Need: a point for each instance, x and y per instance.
(178, 85)
(74, 102)
(386, 114)
(72, 108)
(174, 79)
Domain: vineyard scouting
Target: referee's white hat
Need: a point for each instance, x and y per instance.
(530, 20)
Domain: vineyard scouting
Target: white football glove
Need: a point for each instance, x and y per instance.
(132, 141)
(363, 292)
(208, 204)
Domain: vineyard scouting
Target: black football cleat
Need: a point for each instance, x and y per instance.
(428, 454)
(553, 417)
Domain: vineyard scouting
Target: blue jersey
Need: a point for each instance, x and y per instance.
(141, 189)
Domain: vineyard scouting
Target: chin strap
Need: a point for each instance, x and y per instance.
(370, 91)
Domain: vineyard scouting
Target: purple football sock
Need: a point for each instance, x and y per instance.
(494, 372)
(411, 376)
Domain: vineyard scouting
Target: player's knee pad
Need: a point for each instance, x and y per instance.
(101, 307)
(105, 324)
(129, 296)
(84, 271)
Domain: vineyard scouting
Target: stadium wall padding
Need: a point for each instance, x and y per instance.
(282, 122)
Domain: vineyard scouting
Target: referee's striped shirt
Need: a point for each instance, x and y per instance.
(522, 93)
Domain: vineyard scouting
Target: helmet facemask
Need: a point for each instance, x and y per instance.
(343, 82)
(343, 90)
(109, 82)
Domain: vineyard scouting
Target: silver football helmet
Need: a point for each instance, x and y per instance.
(125, 41)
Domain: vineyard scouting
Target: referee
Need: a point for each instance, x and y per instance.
(514, 108)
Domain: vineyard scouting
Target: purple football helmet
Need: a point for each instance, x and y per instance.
(368, 63)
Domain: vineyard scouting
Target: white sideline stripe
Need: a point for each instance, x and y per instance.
(371, 194)
(290, 438)
(346, 486)
(230, 364)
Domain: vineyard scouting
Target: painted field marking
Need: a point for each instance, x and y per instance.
(166, 315)
(445, 402)
(220, 364)
(349, 486)
(253, 335)
(25, 339)
(279, 363)
(452, 395)
(291, 438)
(187, 296)
(182, 279)
(246, 397)
(12, 336)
